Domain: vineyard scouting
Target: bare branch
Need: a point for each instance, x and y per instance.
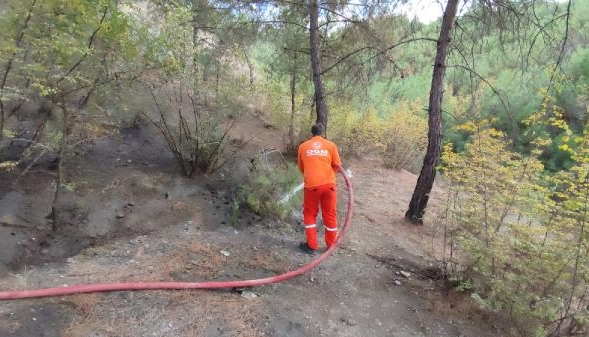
(380, 52)
(90, 43)
(482, 78)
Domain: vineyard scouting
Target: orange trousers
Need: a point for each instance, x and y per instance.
(313, 197)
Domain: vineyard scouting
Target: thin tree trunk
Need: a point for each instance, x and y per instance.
(217, 76)
(425, 182)
(199, 16)
(320, 105)
(21, 100)
(293, 83)
(86, 98)
(250, 64)
(56, 205)
(196, 19)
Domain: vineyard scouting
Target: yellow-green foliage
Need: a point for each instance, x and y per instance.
(7, 165)
(405, 138)
(520, 231)
(400, 138)
(357, 133)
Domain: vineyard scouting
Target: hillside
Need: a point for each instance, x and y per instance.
(133, 218)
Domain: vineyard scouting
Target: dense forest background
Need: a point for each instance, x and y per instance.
(515, 109)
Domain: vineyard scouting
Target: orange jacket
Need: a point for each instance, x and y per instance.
(318, 160)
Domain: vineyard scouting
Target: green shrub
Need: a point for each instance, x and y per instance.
(519, 236)
(405, 138)
(266, 186)
(355, 132)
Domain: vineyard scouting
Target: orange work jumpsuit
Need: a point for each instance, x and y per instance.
(318, 160)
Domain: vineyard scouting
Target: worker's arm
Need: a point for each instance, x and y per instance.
(336, 161)
(300, 162)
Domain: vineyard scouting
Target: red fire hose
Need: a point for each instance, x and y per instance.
(90, 288)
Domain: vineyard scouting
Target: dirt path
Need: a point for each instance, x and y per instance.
(359, 291)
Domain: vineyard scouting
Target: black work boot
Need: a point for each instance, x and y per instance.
(306, 249)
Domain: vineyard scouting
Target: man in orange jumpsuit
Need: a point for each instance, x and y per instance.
(319, 160)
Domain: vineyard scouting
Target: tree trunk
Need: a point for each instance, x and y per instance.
(56, 205)
(425, 182)
(199, 71)
(293, 83)
(195, 42)
(198, 19)
(217, 76)
(320, 105)
(250, 64)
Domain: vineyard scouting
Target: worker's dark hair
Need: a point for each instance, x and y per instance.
(317, 130)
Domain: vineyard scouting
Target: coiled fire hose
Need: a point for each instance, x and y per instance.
(91, 288)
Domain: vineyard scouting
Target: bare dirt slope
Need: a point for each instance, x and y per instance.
(133, 218)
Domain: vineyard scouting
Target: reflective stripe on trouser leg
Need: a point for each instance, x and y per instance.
(330, 236)
(328, 209)
(311, 235)
(311, 199)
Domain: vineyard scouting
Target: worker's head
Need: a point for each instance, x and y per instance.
(317, 130)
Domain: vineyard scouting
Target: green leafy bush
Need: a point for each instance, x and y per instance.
(266, 187)
(518, 232)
